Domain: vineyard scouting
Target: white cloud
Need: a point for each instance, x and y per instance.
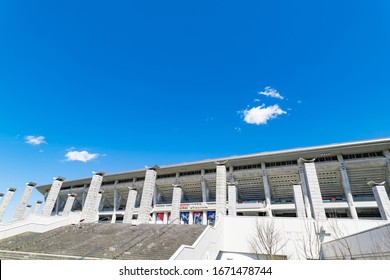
(256, 100)
(261, 114)
(271, 92)
(35, 140)
(299, 101)
(83, 156)
(238, 129)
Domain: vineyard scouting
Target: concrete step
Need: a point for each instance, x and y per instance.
(108, 241)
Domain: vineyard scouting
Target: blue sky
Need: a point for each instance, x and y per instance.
(132, 83)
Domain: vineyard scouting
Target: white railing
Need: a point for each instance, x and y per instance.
(36, 223)
(207, 246)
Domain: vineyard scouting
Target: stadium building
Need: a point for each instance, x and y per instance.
(323, 197)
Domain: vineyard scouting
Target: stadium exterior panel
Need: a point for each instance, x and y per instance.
(308, 197)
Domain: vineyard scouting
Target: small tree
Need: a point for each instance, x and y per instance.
(309, 245)
(342, 246)
(267, 239)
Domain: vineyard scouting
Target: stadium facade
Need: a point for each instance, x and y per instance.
(347, 182)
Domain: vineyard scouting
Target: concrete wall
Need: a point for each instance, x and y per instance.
(369, 244)
(302, 237)
(36, 223)
(206, 247)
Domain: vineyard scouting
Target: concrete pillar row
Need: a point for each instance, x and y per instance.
(21, 207)
(232, 199)
(220, 191)
(37, 205)
(5, 202)
(205, 190)
(92, 201)
(382, 199)
(299, 202)
(387, 155)
(267, 189)
(26, 211)
(69, 204)
(204, 217)
(305, 192)
(130, 204)
(52, 196)
(176, 201)
(147, 195)
(347, 188)
(313, 186)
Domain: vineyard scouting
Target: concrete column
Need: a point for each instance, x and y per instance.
(84, 196)
(165, 218)
(20, 209)
(37, 204)
(205, 190)
(115, 206)
(381, 198)
(305, 192)
(156, 196)
(92, 201)
(313, 186)
(299, 203)
(220, 191)
(232, 199)
(190, 217)
(69, 204)
(58, 203)
(5, 202)
(130, 204)
(153, 217)
(102, 201)
(52, 196)
(231, 175)
(267, 189)
(26, 211)
(387, 155)
(147, 195)
(1, 196)
(176, 201)
(204, 218)
(99, 205)
(347, 188)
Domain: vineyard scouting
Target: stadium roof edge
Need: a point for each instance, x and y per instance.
(333, 148)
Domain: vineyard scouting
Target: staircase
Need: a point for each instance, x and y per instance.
(102, 241)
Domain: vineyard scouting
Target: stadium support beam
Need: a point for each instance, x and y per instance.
(232, 199)
(92, 200)
(347, 187)
(26, 211)
(176, 200)
(220, 191)
(147, 195)
(314, 190)
(267, 190)
(52, 196)
(5, 202)
(131, 199)
(205, 189)
(69, 204)
(382, 199)
(156, 196)
(387, 155)
(305, 192)
(20, 209)
(299, 203)
(116, 203)
(37, 204)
